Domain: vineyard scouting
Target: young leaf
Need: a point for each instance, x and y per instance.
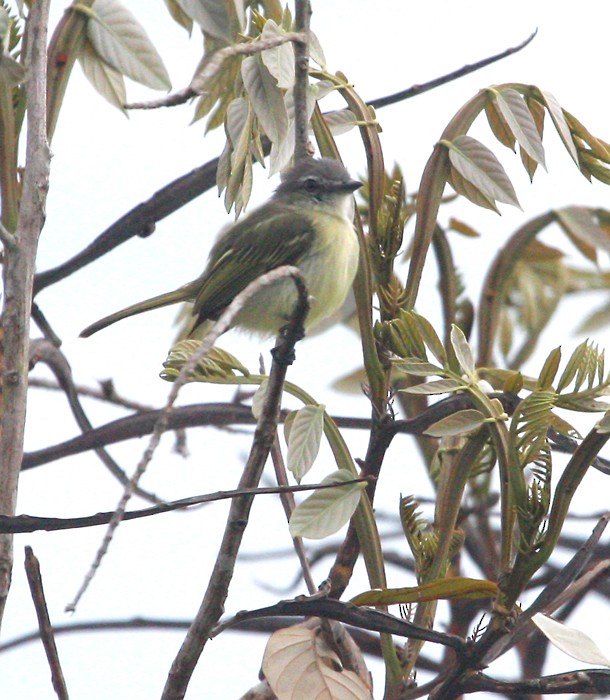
(298, 660)
(560, 123)
(462, 350)
(571, 641)
(549, 370)
(258, 399)
(327, 510)
(420, 368)
(440, 589)
(458, 423)
(122, 42)
(441, 386)
(479, 166)
(303, 439)
(220, 19)
(266, 98)
(537, 112)
(279, 60)
(521, 123)
(104, 78)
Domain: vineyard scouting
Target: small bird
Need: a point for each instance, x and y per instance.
(307, 223)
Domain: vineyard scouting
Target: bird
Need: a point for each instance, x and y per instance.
(307, 223)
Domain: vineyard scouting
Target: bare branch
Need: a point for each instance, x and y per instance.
(212, 605)
(19, 265)
(32, 569)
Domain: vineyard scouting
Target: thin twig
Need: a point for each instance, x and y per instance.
(212, 605)
(211, 67)
(29, 523)
(222, 325)
(301, 80)
(50, 355)
(449, 77)
(32, 570)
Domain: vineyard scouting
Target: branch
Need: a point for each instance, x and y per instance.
(29, 523)
(212, 66)
(45, 629)
(449, 77)
(361, 617)
(212, 605)
(301, 80)
(19, 265)
(46, 352)
(139, 221)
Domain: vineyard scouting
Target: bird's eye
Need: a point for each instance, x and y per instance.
(311, 184)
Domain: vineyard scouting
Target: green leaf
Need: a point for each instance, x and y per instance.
(304, 436)
(430, 338)
(104, 78)
(266, 98)
(521, 123)
(121, 41)
(480, 167)
(462, 350)
(279, 61)
(442, 589)
(327, 510)
(420, 368)
(458, 423)
(549, 370)
(441, 386)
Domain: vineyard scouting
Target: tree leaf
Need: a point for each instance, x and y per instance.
(519, 120)
(179, 15)
(441, 386)
(304, 436)
(480, 167)
(327, 510)
(266, 98)
(571, 641)
(537, 112)
(462, 350)
(122, 42)
(458, 423)
(298, 663)
(279, 61)
(442, 589)
(584, 231)
(560, 123)
(104, 78)
(498, 125)
(464, 187)
(259, 398)
(430, 337)
(420, 368)
(221, 19)
(340, 121)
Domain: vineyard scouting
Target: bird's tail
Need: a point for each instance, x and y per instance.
(178, 295)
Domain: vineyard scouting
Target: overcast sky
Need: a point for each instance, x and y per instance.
(103, 165)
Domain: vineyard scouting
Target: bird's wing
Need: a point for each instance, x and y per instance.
(258, 244)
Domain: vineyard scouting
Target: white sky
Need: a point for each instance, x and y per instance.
(104, 165)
